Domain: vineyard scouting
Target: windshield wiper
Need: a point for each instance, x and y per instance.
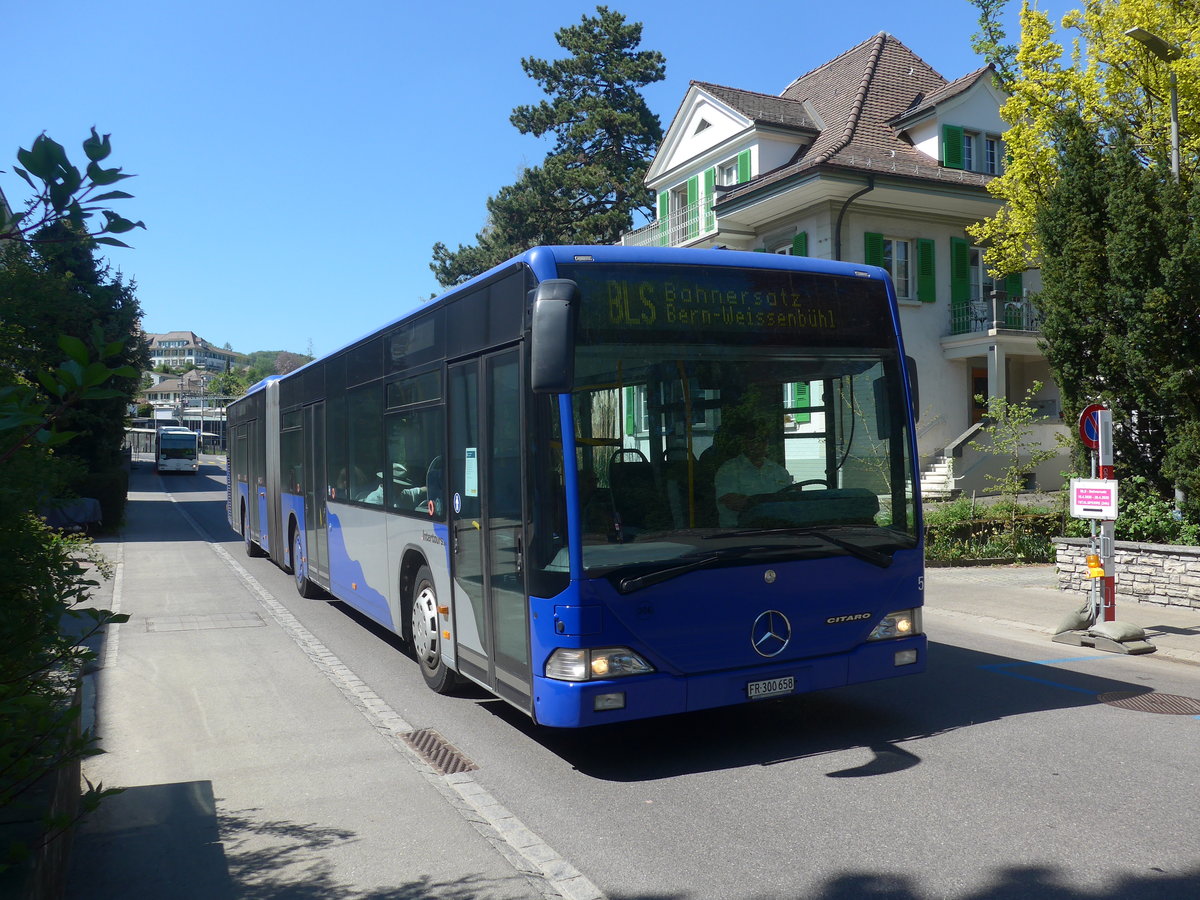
(866, 554)
(658, 576)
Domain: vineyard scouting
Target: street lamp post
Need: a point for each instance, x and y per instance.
(1168, 53)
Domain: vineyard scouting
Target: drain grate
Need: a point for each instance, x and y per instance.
(438, 752)
(1167, 704)
(204, 623)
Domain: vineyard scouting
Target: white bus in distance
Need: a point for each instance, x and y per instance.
(178, 450)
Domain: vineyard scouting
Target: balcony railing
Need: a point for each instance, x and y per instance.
(981, 316)
(682, 225)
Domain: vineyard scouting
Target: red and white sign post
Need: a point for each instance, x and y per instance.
(1096, 499)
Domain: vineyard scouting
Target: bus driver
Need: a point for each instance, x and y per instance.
(747, 475)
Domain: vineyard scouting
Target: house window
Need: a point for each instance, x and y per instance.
(982, 284)
(972, 151)
(897, 259)
(991, 155)
(727, 172)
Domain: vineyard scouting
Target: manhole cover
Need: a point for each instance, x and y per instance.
(1167, 704)
(438, 752)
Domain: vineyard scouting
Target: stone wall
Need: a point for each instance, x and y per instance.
(1146, 573)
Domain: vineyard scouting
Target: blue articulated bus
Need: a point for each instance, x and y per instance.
(608, 483)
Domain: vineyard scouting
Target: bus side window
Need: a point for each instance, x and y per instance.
(366, 444)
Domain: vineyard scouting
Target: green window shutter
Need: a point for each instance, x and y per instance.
(926, 271)
(710, 194)
(1014, 288)
(873, 249)
(630, 410)
(743, 166)
(664, 217)
(760, 249)
(960, 285)
(952, 146)
(800, 397)
(693, 210)
(800, 244)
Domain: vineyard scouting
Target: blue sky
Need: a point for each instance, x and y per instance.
(296, 161)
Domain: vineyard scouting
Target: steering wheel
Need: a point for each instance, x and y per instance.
(799, 486)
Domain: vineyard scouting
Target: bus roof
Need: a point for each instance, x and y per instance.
(545, 260)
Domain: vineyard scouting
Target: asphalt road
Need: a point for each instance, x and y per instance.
(998, 773)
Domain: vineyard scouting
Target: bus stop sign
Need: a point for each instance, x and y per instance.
(1089, 426)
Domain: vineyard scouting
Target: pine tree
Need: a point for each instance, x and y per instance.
(592, 182)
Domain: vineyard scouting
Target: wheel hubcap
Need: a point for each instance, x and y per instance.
(299, 564)
(424, 627)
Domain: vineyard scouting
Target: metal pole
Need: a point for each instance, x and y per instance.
(1108, 555)
(1174, 126)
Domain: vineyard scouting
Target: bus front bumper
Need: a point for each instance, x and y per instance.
(566, 704)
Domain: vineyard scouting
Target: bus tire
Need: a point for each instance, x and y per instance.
(252, 549)
(427, 636)
(304, 587)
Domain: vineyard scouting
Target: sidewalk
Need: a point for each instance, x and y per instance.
(1028, 598)
(246, 770)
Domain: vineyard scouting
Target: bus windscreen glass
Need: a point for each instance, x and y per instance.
(718, 408)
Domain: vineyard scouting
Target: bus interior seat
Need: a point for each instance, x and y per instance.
(634, 490)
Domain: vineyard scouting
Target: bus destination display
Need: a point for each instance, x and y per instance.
(687, 304)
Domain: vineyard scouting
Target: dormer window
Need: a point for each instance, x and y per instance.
(727, 172)
(972, 151)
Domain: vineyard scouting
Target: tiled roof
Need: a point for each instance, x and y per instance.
(763, 109)
(859, 95)
(942, 94)
(189, 336)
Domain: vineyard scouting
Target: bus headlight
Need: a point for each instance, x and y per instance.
(902, 623)
(571, 664)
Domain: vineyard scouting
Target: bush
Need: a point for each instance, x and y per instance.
(962, 529)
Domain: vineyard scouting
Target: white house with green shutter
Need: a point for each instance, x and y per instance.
(873, 157)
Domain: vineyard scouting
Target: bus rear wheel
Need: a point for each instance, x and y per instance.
(427, 636)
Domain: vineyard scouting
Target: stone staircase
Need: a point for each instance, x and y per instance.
(937, 479)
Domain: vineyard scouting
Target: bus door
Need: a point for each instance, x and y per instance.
(316, 491)
(485, 490)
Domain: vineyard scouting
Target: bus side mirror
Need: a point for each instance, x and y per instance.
(552, 357)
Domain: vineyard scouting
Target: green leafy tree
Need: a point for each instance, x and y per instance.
(1121, 303)
(56, 287)
(1090, 198)
(592, 182)
(50, 280)
(45, 579)
(229, 384)
(1011, 438)
(1110, 81)
(65, 196)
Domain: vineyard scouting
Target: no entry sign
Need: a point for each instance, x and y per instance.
(1089, 426)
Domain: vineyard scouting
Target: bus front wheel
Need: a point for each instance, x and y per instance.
(427, 636)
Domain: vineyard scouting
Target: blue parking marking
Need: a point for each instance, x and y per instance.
(999, 668)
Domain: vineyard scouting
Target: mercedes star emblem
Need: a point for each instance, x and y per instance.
(771, 633)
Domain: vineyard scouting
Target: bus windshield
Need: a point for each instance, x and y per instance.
(784, 431)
